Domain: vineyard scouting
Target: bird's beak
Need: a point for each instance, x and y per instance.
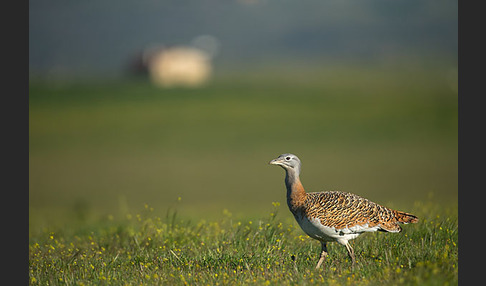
(275, 162)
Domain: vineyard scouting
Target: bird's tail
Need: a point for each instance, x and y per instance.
(405, 217)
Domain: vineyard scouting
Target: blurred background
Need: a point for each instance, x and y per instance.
(182, 104)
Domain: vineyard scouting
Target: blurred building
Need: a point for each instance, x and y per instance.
(177, 66)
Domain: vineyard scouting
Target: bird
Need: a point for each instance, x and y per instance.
(335, 216)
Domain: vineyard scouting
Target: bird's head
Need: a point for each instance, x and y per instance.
(288, 161)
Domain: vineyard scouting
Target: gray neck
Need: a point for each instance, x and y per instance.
(292, 180)
(295, 191)
(291, 176)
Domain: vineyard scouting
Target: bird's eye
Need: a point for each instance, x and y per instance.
(287, 158)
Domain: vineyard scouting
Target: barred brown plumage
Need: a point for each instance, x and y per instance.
(335, 215)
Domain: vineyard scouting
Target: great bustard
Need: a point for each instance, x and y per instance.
(333, 215)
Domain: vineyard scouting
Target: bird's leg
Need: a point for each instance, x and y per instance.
(323, 254)
(350, 252)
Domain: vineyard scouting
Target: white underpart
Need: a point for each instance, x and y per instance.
(318, 231)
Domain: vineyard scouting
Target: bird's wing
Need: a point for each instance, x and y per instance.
(351, 212)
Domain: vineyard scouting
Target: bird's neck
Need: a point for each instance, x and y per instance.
(295, 191)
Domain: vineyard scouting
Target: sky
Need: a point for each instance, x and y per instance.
(103, 36)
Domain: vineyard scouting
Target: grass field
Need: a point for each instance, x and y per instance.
(141, 248)
(133, 184)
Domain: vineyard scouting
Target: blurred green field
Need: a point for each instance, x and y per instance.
(105, 148)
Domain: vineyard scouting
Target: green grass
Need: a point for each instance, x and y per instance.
(142, 248)
(100, 151)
